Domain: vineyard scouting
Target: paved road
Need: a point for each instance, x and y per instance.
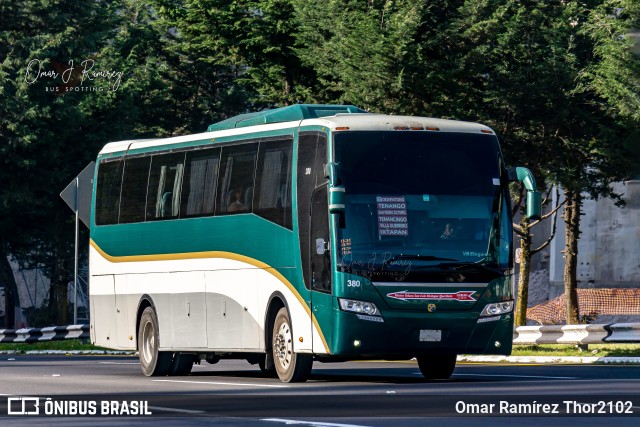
(357, 393)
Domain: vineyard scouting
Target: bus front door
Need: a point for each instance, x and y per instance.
(320, 257)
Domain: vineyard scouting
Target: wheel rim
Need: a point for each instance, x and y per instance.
(148, 342)
(283, 346)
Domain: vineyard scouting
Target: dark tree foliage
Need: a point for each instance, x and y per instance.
(556, 80)
(41, 145)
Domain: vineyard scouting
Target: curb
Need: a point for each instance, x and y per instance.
(72, 352)
(550, 359)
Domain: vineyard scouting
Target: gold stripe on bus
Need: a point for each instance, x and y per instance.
(324, 341)
(215, 254)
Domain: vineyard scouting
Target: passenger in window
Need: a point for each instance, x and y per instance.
(236, 204)
(448, 233)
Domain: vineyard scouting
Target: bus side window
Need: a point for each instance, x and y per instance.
(200, 182)
(273, 183)
(236, 183)
(108, 192)
(165, 186)
(134, 189)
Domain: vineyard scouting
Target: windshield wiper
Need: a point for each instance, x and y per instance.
(417, 258)
(464, 266)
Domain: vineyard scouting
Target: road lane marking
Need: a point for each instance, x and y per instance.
(222, 383)
(119, 363)
(515, 376)
(182, 411)
(309, 423)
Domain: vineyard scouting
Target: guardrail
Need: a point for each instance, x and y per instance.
(547, 334)
(578, 334)
(52, 333)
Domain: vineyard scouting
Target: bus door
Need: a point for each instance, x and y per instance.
(321, 299)
(313, 227)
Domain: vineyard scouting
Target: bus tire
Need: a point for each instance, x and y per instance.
(437, 366)
(153, 362)
(290, 366)
(182, 364)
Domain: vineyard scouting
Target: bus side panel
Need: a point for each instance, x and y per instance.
(231, 308)
(103, 310)
(237, 305)
(188, 309)
(190, 320)
(178, 299)
(123, 314)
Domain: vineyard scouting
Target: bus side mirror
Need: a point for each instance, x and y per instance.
(534, 205)
(336, 191)
(336, 199)
(331, 173)
(534, 199)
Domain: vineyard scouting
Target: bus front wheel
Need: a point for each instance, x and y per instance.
(290, 366)
(437, 366)
(152, 361)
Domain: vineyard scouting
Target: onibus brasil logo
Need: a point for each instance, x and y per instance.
(80, 407)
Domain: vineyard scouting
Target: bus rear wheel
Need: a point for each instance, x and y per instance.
(290, 366)
(152, 361)
(437, 366)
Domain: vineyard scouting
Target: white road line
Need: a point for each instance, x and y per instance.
(182, 411)
(515, 376)
(119, 363)
(309, 423)
(221, 383)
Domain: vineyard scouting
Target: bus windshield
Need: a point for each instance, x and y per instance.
(420, 200)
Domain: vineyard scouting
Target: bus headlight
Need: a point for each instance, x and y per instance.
(359, 307)
(497, 308)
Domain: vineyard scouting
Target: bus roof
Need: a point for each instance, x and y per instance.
(285, 114)
(337, 118)
(383, 122)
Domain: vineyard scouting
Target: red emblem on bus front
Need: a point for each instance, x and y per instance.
(458, 296)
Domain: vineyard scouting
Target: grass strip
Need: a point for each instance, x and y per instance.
(599, 350)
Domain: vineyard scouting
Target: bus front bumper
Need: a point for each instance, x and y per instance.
(408, 334)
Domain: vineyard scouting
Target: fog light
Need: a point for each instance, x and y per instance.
(356, 343)
(497, 344)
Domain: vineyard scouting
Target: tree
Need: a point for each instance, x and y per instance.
(274, 71)
(362, 53)
(524, 230)
(608, 91)
(536, 70)
(41, 151)
(172, 85)
(244, 51)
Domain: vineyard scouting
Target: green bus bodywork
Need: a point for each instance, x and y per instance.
(381, 282)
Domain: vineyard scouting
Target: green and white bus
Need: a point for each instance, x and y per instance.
(309, 232)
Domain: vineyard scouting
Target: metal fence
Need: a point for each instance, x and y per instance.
(52, 333)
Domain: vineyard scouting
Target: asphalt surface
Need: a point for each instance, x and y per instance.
(346, 394)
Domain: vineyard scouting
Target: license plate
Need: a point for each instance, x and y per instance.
(431, 335)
